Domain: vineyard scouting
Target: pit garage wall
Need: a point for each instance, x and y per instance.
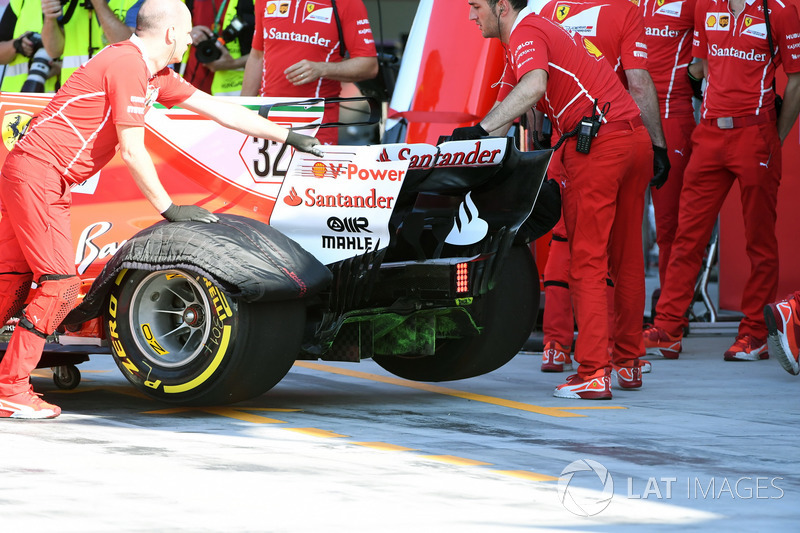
(734, 267)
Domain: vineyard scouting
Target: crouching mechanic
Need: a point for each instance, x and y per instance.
(605, 178)
(101, 106)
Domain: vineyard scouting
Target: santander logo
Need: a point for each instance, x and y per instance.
(468, 228)
(292, 199)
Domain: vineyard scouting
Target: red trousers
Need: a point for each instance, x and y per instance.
(35, 237)
(751, 154)
(558, 321)
(678, 132)
(603, 203)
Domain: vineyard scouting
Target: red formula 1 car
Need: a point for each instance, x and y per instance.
(412, 254)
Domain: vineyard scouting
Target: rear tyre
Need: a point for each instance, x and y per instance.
(507, 314)
(179, 338)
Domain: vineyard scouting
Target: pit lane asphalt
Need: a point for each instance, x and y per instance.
(706, 445)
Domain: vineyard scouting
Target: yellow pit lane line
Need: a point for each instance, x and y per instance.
(228, 412)
(454, 460)
(558, 412)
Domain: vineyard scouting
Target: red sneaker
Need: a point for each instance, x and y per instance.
(596, 387)
(27, 405)
(747, 348)
(628, 378)
(658, 342)
(555, 358)
(784, 332)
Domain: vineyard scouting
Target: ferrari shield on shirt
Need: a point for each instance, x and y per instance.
(613, 26)
(114, 88)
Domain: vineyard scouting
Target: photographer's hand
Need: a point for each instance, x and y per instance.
(23, 45)
(51, 9)
(200, 33)
(225, 62)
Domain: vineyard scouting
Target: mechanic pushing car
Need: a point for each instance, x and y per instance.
(101, 106)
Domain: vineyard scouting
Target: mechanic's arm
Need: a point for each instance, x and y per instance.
(52, 32)
(791, 105)
(253, 70)
(114, 29)
(138, 160)
(140, 164)
(528, 91)
(353, 69)
(502, 130)
(241, 119)
(643, 91)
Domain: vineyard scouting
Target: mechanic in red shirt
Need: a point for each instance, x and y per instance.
(668, 34)
(566, 77)
(739, 137)
(100, 108)
(297, 52)
(616, 28)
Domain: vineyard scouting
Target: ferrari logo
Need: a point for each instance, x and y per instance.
(310, 7)
(562, 12)
(723, 21)
(14, 123)
(660, 3)
(748, 21)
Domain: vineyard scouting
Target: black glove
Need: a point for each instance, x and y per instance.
(697, 86)
(18, 43)
(660, 167)
(470, 132)
(185, 213)
(304, 143)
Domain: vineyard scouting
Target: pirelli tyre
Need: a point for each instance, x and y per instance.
(507, 315)
(179, 338)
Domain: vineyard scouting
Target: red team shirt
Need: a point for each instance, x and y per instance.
(288, 31)
(577, 75)
(668, 33)
(115, 87)
(737, 50)
(622, 38)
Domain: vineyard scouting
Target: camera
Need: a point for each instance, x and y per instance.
(36, 41)
(33, 37)
(207, 51)
(38, 71)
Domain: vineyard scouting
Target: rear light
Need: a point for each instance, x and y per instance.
(462, 278)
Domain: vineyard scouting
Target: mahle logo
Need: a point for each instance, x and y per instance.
(581, 501)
